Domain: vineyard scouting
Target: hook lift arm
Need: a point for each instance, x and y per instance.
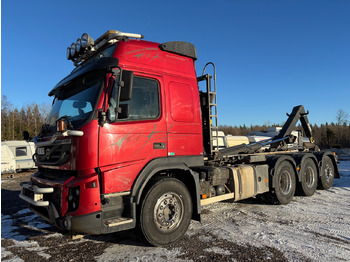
(298, 113)
(282, 139)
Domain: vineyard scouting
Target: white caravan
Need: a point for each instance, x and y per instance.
(22, 152)
(8, 162)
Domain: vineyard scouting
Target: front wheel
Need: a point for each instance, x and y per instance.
(166, 212)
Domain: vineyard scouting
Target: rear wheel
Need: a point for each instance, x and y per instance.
(165, 212)
(285, 184)
(308, 183)
(327, 174)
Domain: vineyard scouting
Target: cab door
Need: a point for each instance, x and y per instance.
(127, 145)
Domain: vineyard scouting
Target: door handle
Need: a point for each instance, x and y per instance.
(158, 145)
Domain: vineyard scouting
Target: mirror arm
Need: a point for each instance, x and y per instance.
(117, 109)
(121, 85)
(102, 118)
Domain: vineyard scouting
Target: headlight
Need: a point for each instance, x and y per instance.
(72, 50)
(86, 41)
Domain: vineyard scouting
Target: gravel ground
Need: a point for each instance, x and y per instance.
(313, 228)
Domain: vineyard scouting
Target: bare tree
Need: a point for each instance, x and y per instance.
(342, 117)
(6, 118)
(342, 121)
(44, 109)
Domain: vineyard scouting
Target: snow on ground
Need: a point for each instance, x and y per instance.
(10, 231)
(313, 228)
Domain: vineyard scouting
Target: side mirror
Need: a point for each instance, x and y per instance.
(126, 85)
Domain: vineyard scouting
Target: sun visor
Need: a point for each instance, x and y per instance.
(180, 48)
(103, 63)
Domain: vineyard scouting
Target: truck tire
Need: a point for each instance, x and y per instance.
(326, 178)
(308, 183)
(285, 184)
(166, 212)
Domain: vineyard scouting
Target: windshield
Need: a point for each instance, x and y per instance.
(76, 101)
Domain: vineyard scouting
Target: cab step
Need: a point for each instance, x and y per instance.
(118, 221)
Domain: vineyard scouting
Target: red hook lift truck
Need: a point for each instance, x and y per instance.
(131, 141)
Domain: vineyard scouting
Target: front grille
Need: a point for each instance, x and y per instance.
(56, 153)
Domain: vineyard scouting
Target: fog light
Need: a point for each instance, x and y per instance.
(73, 199)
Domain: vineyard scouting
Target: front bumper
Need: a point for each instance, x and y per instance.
(42, 201)
(38, 194)
(34, 196)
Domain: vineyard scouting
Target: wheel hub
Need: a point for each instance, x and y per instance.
(286, 182)
(168, 212)
(309, 177)
(328, 173)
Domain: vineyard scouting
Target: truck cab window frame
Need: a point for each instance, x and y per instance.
(145, 101)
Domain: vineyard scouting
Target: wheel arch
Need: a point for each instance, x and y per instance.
(275, 160)
(299, 161)
(322, 155)
(165, 167)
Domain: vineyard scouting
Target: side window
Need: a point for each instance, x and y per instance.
(21, 151)
(144, 103)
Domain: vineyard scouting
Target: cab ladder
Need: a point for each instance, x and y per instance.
(209, 114)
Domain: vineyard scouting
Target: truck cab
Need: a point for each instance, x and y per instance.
(129, 106)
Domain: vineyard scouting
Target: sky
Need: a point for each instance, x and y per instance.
(270, 55)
